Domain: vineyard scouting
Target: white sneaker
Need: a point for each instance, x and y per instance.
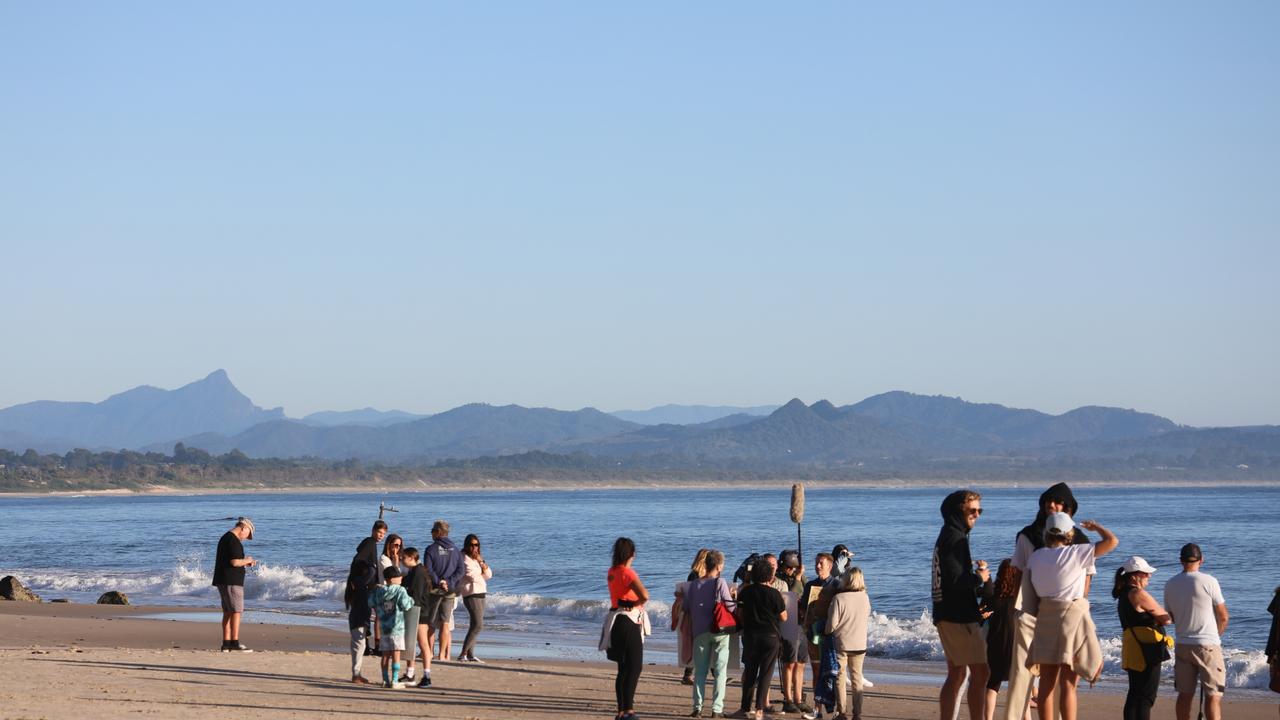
(397, 686)
(867, 683)
(476, 660)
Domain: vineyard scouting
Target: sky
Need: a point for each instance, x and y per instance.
(620, 205)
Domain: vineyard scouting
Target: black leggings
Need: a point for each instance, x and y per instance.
(627, 649)
(1143, 687)
(759, 653)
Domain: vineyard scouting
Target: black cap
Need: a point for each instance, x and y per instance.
(1190, 553)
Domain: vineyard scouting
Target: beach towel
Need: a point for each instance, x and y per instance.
(824, 686)
(1065, 635)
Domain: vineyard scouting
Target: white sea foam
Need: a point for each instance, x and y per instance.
(186, 580)
(588, 610)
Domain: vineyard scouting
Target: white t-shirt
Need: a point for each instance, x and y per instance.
(1058, 573)
(1190, 598)
(1022, 550)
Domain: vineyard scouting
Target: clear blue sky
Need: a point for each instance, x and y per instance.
(417, 205)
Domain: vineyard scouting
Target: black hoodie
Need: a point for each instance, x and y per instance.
(955, 585)
(1035, 531)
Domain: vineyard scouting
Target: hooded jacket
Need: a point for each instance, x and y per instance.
(1035, 531)
(444, 562)
(956, 586)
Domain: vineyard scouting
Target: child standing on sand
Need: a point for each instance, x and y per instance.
(390, 601)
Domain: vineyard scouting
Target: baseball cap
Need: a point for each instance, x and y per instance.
(1137, 564)
(1058, 523)
(1190, 553)
(248, 525)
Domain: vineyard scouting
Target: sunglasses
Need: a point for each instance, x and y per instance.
(973, 511)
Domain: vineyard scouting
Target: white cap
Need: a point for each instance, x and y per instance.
(1137, 564)
(1058, 523)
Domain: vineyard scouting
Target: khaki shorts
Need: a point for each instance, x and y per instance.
(962, 643)
(1199, 662)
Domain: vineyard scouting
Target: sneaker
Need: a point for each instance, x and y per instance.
(425, 682)
(808, 715)
(696, 713)
(397, 686)
(407, 680)
(360, 680)
(789, 707)
(236, 647)
(476, 660)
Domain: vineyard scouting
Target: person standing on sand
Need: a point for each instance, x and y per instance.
(1195, 601)
(390, 601)
(1143, 644)
(1000, 616)
(957, 584)
(847, 619)
(762, 611)
(710, 648)
(444, 563)
(622, 636)
(793, 653)
(1058, 498)
(415, 583)
(228, 577)
(474, 589)
(813, 614)
(360, 580)
(1065, 645)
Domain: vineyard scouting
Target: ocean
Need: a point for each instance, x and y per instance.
(549, 551)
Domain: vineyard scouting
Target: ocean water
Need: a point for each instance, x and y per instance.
(549, 551)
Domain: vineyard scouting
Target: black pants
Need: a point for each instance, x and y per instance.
(1143, 687)
(759, 653)
(475, 611)
(626, 648)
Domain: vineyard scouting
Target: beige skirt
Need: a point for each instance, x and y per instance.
(1065, 635)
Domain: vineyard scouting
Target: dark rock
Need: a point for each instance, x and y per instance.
(114, 597)
(11, 588)
(59, 600)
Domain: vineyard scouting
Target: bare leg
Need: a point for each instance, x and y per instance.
(226, 627)
(424, 646)
(1213, 707)
(235, 627)
(990, 712)
(978, 675)
(1048, 681)
(949, 696)
(1068, 679)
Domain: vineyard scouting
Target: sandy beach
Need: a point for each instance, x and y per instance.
(68, 660)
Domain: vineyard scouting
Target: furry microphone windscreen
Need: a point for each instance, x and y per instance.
(797, 503)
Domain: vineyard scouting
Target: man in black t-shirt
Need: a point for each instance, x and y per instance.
(228, 577)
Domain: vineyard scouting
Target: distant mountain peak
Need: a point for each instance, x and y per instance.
(825, 409)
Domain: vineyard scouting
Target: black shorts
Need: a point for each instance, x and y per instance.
(794, 652)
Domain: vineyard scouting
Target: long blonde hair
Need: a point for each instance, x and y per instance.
(699, 566)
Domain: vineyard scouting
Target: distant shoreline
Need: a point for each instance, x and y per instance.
(574, 486)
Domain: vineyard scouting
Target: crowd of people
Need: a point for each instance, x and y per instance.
(400, 603)
(1031, 624)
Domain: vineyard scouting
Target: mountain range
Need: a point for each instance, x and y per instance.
(893, 429)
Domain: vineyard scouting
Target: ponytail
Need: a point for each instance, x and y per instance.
(1122, 585)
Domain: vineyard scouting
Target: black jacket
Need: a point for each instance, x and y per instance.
(956, 586)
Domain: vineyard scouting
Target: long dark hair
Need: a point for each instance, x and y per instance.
(466, 545)
(386, 544)
(623, 550)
